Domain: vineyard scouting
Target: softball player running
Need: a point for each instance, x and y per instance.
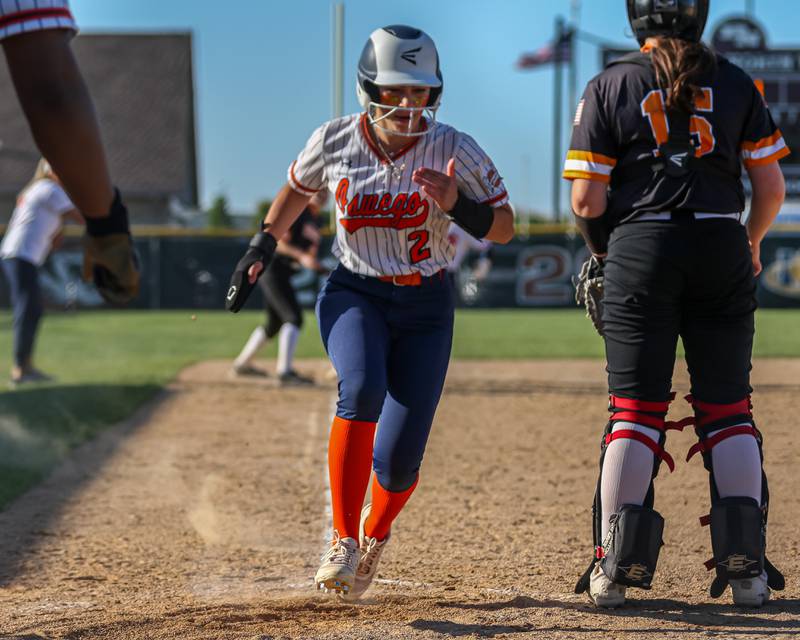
(386, 312)
(655, 160)
(298, 248)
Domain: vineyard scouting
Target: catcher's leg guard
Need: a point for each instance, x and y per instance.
(630, 551)
(635, 535)
(738, 524)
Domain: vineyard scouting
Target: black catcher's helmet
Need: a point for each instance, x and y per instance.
(684, 19)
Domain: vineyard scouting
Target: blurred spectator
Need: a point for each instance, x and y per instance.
(463, 243)
(42, 208)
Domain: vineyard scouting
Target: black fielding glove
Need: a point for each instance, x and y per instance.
(109, 259)
(261, 249)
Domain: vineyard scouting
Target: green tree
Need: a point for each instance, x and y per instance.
(219, 216)
(261, 212)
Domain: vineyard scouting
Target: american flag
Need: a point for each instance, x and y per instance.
(557, 52)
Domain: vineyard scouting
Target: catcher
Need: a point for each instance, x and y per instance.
(655, 160)
(58, 107)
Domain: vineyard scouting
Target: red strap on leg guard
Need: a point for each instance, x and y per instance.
(615, 402)
(648, 442)
(724, 434)
(678, 425)
(640, 418)
(708, 412)
(639, 411)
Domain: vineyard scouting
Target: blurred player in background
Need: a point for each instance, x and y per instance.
(463, 244)
(36, 35)
(297, 249)
(656, 155)
(35, 226)
(386, 312)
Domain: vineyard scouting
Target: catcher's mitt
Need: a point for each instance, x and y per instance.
(109, 259)
(589, 291)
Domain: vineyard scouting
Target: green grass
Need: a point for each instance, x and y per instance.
(109, 363)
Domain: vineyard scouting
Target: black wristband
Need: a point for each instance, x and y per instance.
(266, 242)
(475, 218)
(595, 233)
(115, 222)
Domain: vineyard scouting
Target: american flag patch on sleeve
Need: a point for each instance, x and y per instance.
(579, 113)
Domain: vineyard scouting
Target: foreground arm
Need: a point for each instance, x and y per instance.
(61, 115)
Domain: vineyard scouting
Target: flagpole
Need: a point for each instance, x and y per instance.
(575, 19)
(557, 103)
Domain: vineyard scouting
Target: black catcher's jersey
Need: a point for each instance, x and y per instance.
(621, 119)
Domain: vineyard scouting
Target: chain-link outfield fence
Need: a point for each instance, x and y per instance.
(190, 270)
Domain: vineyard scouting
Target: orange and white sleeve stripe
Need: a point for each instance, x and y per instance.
(769, 149)
(586, 165)
(298, 186)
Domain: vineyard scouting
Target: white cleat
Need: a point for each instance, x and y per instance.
(370, 550)
(750, 592)
(337, 572)
(604, 593)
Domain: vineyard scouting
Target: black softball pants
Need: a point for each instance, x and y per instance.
(280, 300)
(679, 277)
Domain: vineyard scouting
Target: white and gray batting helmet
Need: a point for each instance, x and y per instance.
(398, 55)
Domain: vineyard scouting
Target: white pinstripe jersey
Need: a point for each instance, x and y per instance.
(385, 224)
(22, 16)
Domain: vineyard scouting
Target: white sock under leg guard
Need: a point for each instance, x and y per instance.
(287, 343)
(251, 347)
(737, 466)
(627, 472)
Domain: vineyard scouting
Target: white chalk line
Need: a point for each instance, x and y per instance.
(328, 515)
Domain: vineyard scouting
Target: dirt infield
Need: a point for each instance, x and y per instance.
(204, 516)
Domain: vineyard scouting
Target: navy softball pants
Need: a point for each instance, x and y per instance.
(27, 305)
(390, 346)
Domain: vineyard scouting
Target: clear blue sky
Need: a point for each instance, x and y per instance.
(263, 74)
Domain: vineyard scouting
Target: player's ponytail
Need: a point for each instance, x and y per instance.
(679, 66)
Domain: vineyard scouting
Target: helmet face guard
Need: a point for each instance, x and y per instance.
(683, 19)
(399, 56)
(428, 117)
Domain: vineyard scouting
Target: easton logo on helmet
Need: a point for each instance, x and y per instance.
(411, 55)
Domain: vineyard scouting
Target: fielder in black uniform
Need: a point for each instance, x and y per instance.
(298, 248)
(655, 160)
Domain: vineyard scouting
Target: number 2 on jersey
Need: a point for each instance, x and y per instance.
(653, 108)
(419, 251)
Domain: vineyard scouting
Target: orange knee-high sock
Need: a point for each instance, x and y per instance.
(349, 465)
(385, 507)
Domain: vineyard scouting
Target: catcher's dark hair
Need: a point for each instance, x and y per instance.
(680, 65)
